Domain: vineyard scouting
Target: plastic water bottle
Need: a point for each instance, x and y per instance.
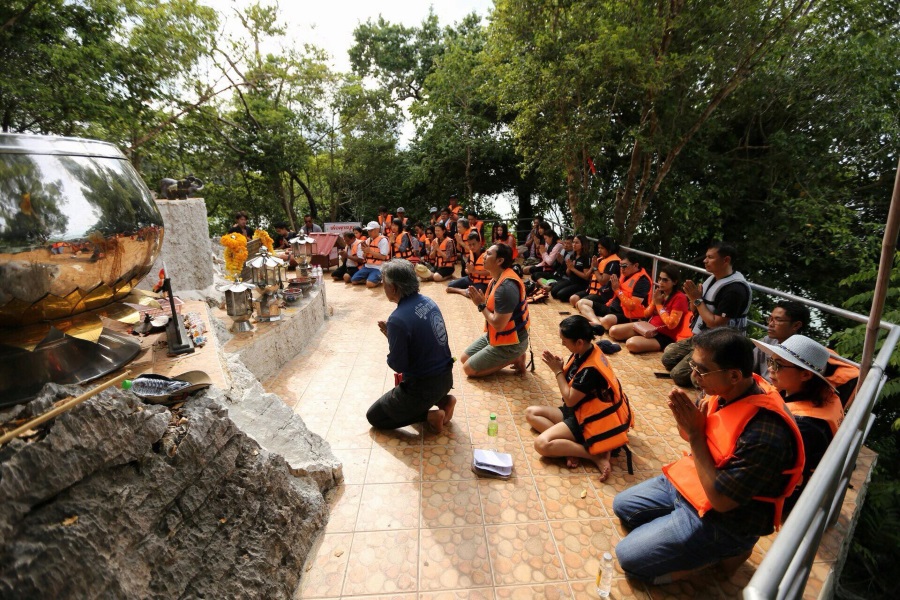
(605, 575)
(492, 426)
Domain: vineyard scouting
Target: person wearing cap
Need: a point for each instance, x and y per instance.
(375, 251)
(505, 311)
(401, 216)
(435, 215)
(418, 349)
(746, 458)
(797, 368)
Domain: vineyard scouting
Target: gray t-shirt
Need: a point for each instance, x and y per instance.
(506, 298)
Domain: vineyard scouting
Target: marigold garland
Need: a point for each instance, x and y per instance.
(235, 252)
(262, 234)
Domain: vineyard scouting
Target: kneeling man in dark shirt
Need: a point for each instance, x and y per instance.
(419, 349)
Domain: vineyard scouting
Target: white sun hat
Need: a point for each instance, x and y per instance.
(373, 225)
(801, 352)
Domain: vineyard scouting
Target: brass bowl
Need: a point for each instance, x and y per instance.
(78, 228)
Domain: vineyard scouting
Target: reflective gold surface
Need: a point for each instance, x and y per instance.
(78, 230)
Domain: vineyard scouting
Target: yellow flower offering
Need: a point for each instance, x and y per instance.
(263, 235)
(235, 253)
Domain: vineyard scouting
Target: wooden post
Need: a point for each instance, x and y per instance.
(882, 282)
(69, 405)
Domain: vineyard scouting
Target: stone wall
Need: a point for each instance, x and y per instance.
(186, 247)
(122, 499)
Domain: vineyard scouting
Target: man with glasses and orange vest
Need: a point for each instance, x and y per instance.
(505, 311)
(746, 458)
(376, 251)
(631, 294)
(476, 275)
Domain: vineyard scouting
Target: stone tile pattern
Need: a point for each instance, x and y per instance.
(411, 519)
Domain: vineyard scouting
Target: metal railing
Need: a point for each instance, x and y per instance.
(785, 569)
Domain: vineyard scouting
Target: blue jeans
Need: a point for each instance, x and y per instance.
(667, 534)
(369, 274)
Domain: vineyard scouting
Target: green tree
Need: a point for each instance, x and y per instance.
(626, 86)
(120, 71)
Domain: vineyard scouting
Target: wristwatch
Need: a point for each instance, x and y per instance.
(482, 306)
(698, 301)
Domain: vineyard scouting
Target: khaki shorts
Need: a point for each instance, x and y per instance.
(483, 356)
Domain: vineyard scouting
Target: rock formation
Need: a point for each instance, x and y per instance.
(122, 499)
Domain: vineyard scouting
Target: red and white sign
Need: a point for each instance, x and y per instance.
(341, 227)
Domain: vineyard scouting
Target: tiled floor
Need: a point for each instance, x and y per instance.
(411, 520)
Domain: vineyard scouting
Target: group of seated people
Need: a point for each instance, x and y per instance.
(769, 409)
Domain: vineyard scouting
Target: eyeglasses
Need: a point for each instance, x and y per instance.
(774, 319)
(775, 366)
(696, 369)
(624, 265)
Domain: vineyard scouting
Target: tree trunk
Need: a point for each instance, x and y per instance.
(313, 209)
(525, 212)
(573, 186)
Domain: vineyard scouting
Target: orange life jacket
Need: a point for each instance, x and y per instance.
(463, 233)
(446, 244)
(831, 410)
(723, 428)
(626, 288)
(479, 277)
(354, 250)
(397, 242)
(384, 221)
(844, 377)
(520, 319)
(373, 243)
(684, 331)
(604, 418)
(595, 287)
(479, 227)
(455, 210)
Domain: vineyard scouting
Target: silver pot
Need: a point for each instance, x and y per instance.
(78, 230)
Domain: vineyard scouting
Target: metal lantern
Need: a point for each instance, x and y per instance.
(303, 249)
(239, 305)
(268, 276)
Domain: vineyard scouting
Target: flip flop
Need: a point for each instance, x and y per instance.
(196, 380)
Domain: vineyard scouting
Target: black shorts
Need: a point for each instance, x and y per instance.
(572, 422)
(446, 271)
(663, 340)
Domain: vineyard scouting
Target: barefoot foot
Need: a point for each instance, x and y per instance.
(604, 466)
(435, 420)
(447, 405)
(572, 462)
(519, 365)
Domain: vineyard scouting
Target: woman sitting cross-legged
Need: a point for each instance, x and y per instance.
(666, 320)
(577, 271)
(595, 416)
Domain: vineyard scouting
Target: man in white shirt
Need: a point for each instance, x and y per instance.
(377, 250)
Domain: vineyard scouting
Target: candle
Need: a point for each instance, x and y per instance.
(165, 270)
